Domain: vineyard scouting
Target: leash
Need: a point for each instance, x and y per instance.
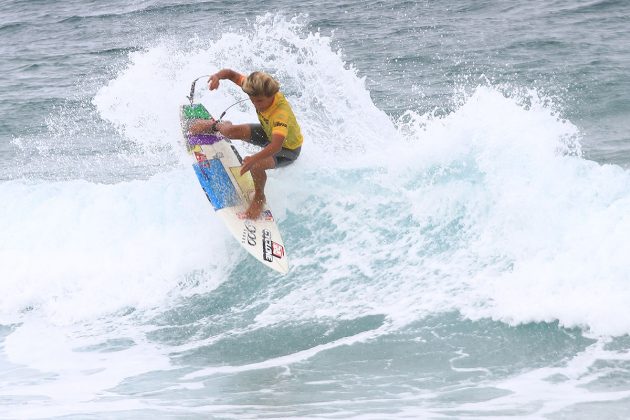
(191, 99)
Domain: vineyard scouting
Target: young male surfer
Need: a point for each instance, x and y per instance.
(278, 132)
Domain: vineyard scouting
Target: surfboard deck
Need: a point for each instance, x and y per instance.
(217, 165)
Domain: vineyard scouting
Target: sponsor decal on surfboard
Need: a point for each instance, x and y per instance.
(267, 248)
(271, 249)
(249, 234)
(277, 250)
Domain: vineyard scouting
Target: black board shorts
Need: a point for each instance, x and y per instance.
(284, 157)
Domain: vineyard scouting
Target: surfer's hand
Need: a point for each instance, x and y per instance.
(200, 126)
(222, 126)
(248, 161)
(213, 82)
(213, 125)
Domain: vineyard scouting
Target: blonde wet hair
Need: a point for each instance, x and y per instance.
(260, 84)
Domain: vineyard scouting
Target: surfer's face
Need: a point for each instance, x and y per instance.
(261, 103)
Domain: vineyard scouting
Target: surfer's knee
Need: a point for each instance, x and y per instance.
(264, 164)
(258, 169)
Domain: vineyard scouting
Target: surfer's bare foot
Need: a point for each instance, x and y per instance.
(256, 206)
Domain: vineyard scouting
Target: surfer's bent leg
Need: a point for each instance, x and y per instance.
(284, 157)
(257, 136)
(260, 179)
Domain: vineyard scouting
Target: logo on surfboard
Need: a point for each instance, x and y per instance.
(271, 249)
(249, 234)
(277, 250)
(267, 248)
(200, 157)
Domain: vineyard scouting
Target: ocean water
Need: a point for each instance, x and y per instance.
(458, 222)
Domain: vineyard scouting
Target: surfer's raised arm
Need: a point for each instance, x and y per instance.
(236, 77)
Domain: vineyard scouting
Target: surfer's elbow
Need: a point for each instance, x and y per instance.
(276, 142)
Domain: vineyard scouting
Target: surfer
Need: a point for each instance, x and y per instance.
(278, 133)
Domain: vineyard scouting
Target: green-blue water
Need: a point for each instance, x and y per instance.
(457, 223)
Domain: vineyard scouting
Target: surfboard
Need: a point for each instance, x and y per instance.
(217, 165)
